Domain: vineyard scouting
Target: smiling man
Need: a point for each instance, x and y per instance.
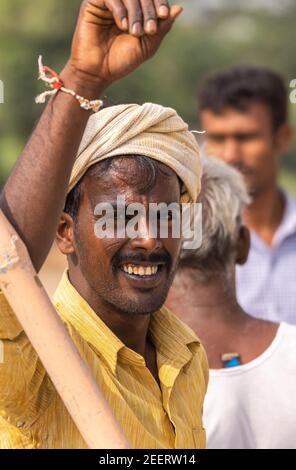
(132, 267)
(147, 363)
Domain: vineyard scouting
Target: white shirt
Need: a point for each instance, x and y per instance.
(253, 406)
(266, 284)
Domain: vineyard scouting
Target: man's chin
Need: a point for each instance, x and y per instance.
(143, 304)
(135, 308)
(142, 296)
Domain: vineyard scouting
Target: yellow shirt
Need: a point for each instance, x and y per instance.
(32, 415)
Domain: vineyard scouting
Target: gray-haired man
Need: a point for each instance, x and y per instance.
(252, 362)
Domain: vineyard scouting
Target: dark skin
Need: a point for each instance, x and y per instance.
(210, 308)
(107, 45)
(248, 141)
(124, 303)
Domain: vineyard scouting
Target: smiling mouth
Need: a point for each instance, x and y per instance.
(144, 275)
(140, 270)
(146, 272)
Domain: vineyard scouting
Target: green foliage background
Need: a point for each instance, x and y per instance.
(199, 44)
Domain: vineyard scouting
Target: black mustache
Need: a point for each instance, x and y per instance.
(138, 258)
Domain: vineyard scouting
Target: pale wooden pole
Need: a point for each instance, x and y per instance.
(53, 344)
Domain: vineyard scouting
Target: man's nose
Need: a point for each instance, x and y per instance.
(146, 238)
(230, 152)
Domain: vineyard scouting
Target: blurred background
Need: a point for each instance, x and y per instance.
(210, 35)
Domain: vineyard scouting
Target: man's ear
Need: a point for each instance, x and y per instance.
(243, 245)
(284, 138)
(65, 234)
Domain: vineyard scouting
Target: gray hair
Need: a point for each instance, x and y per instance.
(224, 198)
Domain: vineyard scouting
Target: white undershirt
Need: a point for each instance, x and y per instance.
(253, 406)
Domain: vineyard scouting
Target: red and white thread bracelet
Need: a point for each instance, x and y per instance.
(54, 81)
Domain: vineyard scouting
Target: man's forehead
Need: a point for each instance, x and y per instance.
(137, 164)
(137, 183)
(126, 163)
(254, 113)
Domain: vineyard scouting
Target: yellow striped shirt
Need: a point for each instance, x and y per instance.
(32, 415)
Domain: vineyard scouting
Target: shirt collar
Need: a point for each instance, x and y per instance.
(288, 224)
(286, 228)
(175, 344)
(169, 335)
(167, 332)
(74, 310)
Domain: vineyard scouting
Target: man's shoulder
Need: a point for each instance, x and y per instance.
(290, 203)
(289, 196)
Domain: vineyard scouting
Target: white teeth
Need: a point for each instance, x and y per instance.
(140, 270)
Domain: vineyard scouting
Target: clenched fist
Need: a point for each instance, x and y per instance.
(114, 37)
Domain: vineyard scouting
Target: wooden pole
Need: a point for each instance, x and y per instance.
(53, 344)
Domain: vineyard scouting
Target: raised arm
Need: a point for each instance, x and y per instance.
(112, 38)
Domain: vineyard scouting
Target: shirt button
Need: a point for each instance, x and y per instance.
(20, 423)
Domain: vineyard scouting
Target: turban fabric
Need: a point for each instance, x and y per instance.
(150, 130)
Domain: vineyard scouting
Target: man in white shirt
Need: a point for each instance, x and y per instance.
(244, 113)
(250, 400)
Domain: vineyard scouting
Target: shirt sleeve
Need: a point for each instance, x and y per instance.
(22, 375)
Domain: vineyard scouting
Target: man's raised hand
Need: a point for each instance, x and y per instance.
(114, 37)
(108, 44)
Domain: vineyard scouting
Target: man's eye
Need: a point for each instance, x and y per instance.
(105, 215)
(246, 137)
(109, 216)
(168, 217)
(217, 139)
(123, 217)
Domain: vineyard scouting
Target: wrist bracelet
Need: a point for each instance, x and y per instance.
(54, 81)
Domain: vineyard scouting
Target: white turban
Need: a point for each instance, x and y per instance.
(150, 130)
